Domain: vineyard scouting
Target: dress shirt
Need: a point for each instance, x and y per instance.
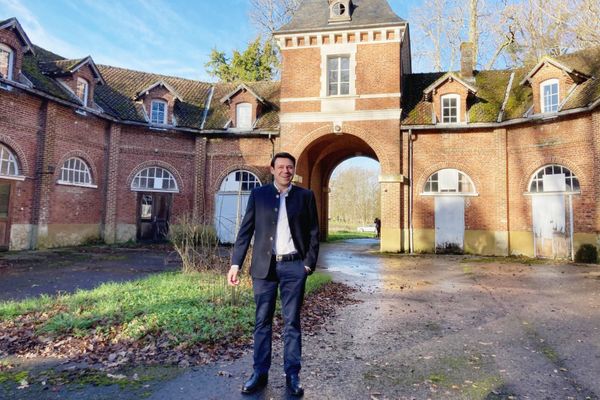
(283, 243)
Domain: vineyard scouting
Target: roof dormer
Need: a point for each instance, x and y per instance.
(158, 101)
(79, 77)
(340, 11)
(551, 82)
(449, 95)
(14, 44)
(245, 106)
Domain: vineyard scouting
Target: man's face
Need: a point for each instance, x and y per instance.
(283, 172)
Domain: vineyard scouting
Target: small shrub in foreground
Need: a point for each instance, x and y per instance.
(587, 254)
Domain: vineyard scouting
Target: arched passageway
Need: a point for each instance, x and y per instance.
(318, 161)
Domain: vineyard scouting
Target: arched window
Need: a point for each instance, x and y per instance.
(549, 97)
(6, 62)
(154, 179)
(449, 181)
(450, 108)
(75, 172)
(8, 162)
(554, 178)
(243, 116)
(239, 181)
(158, 112)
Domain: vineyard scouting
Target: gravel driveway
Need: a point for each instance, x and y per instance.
(431, 327)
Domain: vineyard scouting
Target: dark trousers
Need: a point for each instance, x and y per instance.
(290, 277)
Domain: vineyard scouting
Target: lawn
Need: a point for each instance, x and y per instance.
(335, 236)
(186, 309)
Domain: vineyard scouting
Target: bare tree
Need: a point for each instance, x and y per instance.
(439, 24)
(354, 197)
(269, 15)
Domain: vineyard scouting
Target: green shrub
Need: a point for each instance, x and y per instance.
(587, 253)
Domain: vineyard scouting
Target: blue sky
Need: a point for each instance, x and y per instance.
(171, 37)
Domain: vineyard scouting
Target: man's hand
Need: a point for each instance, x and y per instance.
(232, 276)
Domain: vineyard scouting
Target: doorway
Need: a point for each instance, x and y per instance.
(154, 211)
(449, 224)
(5, 202)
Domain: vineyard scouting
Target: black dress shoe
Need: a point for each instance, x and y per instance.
(256, 382)
(293, 383)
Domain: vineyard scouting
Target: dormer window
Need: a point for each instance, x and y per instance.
(83, 90)
(158, 112)
(338, 75)
(243, 116)
(549, 96)
(6, 62)
(450, 108)
(339, 10)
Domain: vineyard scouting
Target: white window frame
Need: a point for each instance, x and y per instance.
(239, 181)
(238, 120)
(552, 107)
(8, 161)
(455, 97)
(86, 86)
(152, 112)
(463, 179)
(76, 167)
(572, 185)
(157, 176)
(339, 70)
(340, 11)
(11, 61)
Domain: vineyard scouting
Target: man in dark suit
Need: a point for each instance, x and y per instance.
(283, 219)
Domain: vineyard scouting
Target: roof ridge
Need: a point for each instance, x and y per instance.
(160, 76)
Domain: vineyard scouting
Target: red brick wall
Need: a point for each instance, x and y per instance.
(300, 73)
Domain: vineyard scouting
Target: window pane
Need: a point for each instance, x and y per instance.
(5, 59)
(345, 61)
(345, 88)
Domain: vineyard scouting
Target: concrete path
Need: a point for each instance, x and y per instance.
(32, 273)
(438, 328)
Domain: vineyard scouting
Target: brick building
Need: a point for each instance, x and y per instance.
(487, 162)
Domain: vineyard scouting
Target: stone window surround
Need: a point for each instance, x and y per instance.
(458, 101)
(543, 85)
(343, 50)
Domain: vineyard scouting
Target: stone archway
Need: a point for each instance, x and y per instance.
(321, 150)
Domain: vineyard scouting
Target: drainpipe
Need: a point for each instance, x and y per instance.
(411, 244)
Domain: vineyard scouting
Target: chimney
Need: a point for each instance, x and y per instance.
(466, 60)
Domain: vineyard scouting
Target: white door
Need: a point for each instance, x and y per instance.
(550, 229)
(230, 210)
(449, 224)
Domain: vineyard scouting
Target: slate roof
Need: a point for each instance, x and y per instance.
(486, 105)
(313, 15)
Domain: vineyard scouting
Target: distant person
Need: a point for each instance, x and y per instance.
(283, 220)
(377, 227)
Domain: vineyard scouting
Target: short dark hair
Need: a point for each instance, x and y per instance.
(283, 155)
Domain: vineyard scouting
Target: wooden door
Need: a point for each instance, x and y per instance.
(5, 192)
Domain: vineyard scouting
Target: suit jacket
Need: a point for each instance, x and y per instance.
(261, 221)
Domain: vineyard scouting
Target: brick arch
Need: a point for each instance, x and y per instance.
(21, 159)
(216, 185)
(464, 168)
(348, 129)
(534, 166)
(79, 154)
(157, 163)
